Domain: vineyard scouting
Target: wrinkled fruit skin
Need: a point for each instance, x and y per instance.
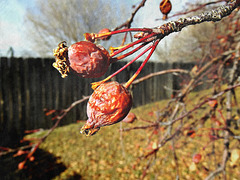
(109, 104)
(88, 60)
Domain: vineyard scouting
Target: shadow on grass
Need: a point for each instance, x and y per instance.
(45, 166)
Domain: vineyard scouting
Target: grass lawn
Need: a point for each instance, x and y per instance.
(112, 154)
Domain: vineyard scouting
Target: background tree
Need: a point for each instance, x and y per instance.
(60, 20)
(194, 42)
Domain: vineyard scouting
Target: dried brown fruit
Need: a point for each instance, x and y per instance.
(165, 7)
(109, 104)
(87, 59)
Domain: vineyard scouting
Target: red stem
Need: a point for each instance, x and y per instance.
(124, 39)
(131, 30)
(142, 65)
(96, 36)
(132, 44)
(129, 53)
(129, 63)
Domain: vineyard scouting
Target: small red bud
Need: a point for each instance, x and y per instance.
(103, 31)
(32, 158)
(21, 165)
(197, 158)
(213, 103)
(139, 35)
(109, 104)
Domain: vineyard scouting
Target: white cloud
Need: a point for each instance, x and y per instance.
(10, 35)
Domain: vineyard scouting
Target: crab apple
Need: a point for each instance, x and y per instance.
(87, 59)
(109, 104)
(130, 118)
(165, 7)
(103, 31)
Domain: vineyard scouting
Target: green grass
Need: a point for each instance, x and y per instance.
(111, 154)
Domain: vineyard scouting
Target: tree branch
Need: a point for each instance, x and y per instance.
(128, 23)
(197, 8)
(213, 15)
(159, 73)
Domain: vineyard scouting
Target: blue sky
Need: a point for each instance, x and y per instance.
(12, 22)
(12, 25)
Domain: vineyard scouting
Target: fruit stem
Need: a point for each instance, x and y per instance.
(123, 31)
(127, 84)
(96, 84)
(124, 38)
(129, 53)
(132, 44)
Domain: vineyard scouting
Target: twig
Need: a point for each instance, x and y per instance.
(200, 105)
(225, 156)
(141, 127)
(199, 73)
(42, 139)
(128, 23)
(195, 9)
(159, 73)
(221, 168)
(63, 114)
(213, 15)
(10, 150)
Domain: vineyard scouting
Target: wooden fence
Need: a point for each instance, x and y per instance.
(28, 86)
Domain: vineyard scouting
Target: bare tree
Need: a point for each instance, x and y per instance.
(60, 20)
(193, 42)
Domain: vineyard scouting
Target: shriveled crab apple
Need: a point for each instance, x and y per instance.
(165, 7)
(87, 59)
(109, 104)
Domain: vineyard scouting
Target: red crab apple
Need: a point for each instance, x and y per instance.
(85, 58)
(165, 7)
(109, 104)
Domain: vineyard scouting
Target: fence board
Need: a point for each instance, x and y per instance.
(14, 82)
(27, 86)
(6, 100)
